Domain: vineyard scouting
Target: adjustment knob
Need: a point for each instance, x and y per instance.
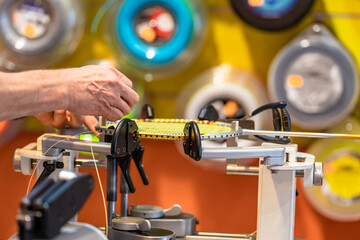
(131, 224)
(173, 211)
(318, 174)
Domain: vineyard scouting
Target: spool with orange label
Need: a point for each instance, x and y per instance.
(317, 77)
(39, 33)
(339, 197)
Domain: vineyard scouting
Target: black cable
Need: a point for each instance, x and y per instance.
(281, 104)
(286, 120)
(280, 121)
(276, 119)
(284, 140)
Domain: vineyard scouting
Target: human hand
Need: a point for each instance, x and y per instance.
(99, 90)
(59, 118)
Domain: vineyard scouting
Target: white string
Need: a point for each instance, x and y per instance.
(37, 164)
(97, 173)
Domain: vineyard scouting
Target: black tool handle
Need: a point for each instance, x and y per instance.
(124, 163)
(137, 156)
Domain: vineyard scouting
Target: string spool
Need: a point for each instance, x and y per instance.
(156, 38)
(317, 77)
(338, 198)
(271, 15)
(35, 34)
(233, 93)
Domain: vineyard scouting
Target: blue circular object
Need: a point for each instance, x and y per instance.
(272, 15)
(153, 54)
(273, 8)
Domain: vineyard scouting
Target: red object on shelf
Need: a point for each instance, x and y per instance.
(162, 22)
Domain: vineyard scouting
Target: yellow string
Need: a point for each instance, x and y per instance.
(101, 189)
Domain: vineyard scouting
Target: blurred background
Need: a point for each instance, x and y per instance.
(184, 54)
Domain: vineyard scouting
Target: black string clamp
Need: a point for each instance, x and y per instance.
(192, 142)
(124, 146)
(147, 112)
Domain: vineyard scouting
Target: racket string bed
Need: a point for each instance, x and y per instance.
(173, 129)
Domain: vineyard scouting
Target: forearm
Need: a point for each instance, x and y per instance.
(90, 90)
(31, 92)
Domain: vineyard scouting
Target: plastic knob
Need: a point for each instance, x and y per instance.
(173, 211)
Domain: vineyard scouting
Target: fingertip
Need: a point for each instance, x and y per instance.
(90, 123)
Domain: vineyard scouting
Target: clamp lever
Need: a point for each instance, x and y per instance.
(137, 156)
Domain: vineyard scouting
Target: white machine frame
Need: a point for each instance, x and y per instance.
(279, 165)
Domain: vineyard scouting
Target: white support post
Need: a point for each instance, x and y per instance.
(276, 202)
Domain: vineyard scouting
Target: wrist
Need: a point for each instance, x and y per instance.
(62, 86)
(65, 89)
(56, 83)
